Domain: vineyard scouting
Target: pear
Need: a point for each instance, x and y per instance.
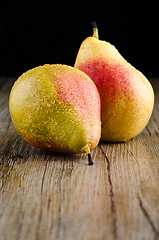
(56, 108)
(127, 97)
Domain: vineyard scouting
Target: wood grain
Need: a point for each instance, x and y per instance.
(58, 196)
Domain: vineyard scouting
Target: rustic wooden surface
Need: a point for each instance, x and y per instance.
(55, 196)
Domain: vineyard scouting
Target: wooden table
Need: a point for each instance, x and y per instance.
(45, 196)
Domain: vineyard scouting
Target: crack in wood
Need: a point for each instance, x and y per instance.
(132, 154)
(6, 150)
(148, 130)
(7, 163)
(59, 220)
(41, 200)
(111, 193)
(8, 125)
(43, 177)
(154, 118)
(147, 216)
(71, 168)
(6, 173)
(3, 80)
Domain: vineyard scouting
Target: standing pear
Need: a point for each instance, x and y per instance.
(127, 97)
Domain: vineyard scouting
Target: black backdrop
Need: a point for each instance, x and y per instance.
(51, 32)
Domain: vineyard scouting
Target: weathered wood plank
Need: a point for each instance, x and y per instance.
(58, 196)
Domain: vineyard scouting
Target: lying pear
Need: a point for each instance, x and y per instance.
(56, 108)
(127, 97)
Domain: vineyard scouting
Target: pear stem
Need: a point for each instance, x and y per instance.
(86, 149)
(90, 162)
(95, 30)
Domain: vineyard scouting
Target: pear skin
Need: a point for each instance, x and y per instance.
(127, 97)
(56, 108)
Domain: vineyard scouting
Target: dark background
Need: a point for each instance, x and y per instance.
(51, 32)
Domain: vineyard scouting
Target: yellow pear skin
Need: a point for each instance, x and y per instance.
(127, 97)
(56, 108)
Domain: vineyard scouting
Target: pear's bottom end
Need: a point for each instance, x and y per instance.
(61, 149)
